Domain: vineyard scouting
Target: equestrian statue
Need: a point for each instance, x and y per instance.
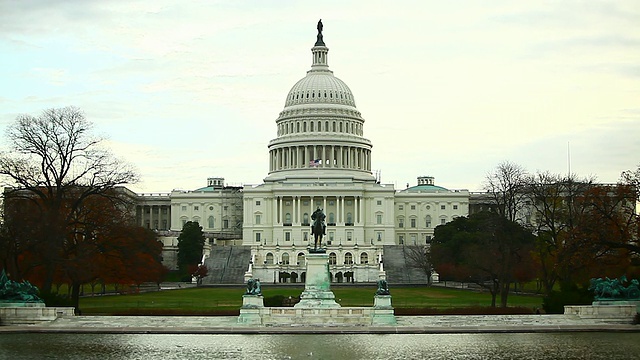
(318, 229)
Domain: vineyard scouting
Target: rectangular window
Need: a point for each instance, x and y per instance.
(164, 224)
(400, 207)
(443, 221)
(257, 202)
(413, 223)
(379, 219)
(413, 207)
(258, 218)
(413, 239)
(305, 236)
(196, 208)
(331, 235)
(379, 202)
(225, 224)
(258, 237)
(401, 224)
(379, 235)
(455, 207)
(349, 235)
(400, 239)
(442, 207)
(184, 208)
(428, 224)
(164, 210)
(428, 239)
(225, 208)
(287, 236)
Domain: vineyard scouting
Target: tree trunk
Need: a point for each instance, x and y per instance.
(75, 297)
(504, 294)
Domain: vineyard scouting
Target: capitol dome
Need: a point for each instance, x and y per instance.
(320, 87)
(320, 130)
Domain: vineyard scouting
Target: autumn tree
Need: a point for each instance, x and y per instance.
(484, 248)
(190, 246)
(577, 222)
(53, 168)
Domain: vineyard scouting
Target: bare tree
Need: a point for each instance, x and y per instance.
(506, 187)
(55, 165)
(420, 258)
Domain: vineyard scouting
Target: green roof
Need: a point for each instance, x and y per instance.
(426, 188)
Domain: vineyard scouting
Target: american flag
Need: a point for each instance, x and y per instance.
(316, 162)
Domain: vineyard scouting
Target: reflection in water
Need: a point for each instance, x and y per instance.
(348, 347)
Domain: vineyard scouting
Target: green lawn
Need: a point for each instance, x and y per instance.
(221, 300)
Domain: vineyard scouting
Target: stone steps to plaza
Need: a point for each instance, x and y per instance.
(227, 264)
(398, 267)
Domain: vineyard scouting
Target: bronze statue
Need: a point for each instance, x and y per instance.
(383, 287)
(319, 41)
(318, 228)
(614, 289)
(253, 287)
(13, 291)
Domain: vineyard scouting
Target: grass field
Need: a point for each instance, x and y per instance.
(227, 300)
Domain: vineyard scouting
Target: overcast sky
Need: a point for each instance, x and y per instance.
(188, 90)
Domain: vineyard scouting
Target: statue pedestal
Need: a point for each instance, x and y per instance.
(620, 311)
(317, 293)
(251, 309)
(29, 313)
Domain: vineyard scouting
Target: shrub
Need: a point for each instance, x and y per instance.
(554, 302)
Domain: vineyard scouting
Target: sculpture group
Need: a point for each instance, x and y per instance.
(13, 291)
(614, 289)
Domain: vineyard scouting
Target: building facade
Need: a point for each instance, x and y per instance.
(319, 158)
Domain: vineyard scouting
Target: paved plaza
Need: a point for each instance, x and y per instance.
(405, 325)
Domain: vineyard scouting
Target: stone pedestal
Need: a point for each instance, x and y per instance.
(317, 292)
(621, 311)
(251, 309)
(31, 313)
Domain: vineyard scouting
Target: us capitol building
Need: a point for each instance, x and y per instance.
(320, 158)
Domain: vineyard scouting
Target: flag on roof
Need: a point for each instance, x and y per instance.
(316, 162)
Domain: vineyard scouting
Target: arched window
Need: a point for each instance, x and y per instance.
(305, 219)
(428, 221)
(269, 259)
(348, 258)
(332, 258)
(349, 218)
(364, 258)
(300, 259)
(287, 218)
(211, 222)
(332, 218)
(285, 259)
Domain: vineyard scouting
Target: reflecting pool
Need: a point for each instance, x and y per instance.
(335, 347)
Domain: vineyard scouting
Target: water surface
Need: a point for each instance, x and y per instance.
(336, 347)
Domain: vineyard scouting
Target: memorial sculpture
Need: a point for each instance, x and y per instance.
(383, 287)
(253, 287)
(318, 229)
(614, 289)
(17, 292)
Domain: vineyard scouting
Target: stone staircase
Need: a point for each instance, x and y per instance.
(227, 264)
(398, 267)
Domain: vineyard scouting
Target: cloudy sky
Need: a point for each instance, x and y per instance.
(186, 90)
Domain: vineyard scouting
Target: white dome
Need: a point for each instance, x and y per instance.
(320, 87)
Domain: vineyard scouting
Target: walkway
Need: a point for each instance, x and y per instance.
(406, 325)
